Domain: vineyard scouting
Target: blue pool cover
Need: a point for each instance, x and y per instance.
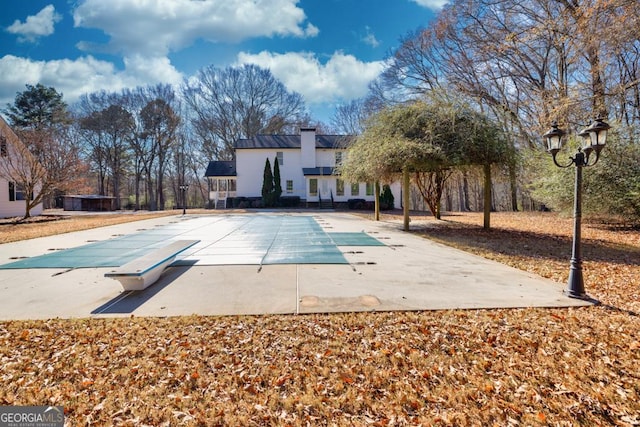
(224, 240)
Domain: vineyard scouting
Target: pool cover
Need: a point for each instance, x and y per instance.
(224, 240)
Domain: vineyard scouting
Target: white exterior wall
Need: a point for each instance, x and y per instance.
(396, 190)
(325, 157)
(17, 208)
(308, 148)
(7, 208)
(250, 171)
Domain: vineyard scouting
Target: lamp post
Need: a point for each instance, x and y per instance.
(594, 138)
(184, 188)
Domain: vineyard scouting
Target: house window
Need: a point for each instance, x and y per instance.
(16, 192)
(313, 187)
(3, 146)
(369, 189)
(339, 187)
(355, 189)
(289, 186)
(232, 185)
(280, 157)
(338, 158)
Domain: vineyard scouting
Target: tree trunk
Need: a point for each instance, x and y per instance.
(161, 201)
(513, 182)
(137, 190)
(405, 198)
(439, 190)
(151, 202)
(465, 192)
(376, 189)
(487, 197)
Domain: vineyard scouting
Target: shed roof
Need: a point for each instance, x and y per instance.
(221, 168)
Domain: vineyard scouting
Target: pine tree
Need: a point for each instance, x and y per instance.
(277, 184)
(386, 198)
(267, 184)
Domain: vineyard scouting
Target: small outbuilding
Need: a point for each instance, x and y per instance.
(90, 202)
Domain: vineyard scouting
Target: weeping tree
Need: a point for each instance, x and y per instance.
(392, 145)
(426, 139)
(484, 145)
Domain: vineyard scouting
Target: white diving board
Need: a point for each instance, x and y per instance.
(138, 274)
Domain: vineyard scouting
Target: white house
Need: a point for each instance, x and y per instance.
(307, 164)
(12, 195)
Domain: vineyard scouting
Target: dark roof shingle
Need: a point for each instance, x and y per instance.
(221, 168)
(292, 141)
(318, 171)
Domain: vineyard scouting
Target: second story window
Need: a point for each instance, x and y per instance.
(338, 158)
(280, 156)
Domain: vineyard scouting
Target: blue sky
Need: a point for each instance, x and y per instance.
(327, 50)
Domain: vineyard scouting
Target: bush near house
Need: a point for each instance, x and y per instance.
(357, 204)
(289, 201)
(257, 202)
(386, 198)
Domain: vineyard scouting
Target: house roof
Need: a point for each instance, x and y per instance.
(319, 171)
(87, 196)
(221, 168)
(292, 141)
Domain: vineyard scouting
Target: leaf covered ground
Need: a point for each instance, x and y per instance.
(472, 367)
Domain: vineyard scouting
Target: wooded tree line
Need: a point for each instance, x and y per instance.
(525, 64)
(140, 145)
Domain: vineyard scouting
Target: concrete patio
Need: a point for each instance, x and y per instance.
(407, 272)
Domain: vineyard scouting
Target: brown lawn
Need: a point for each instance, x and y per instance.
(472, 367)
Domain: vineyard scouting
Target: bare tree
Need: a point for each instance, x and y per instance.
(349, 118)
(232, 103)
(42, 155)
(111, 128)
(159, 123)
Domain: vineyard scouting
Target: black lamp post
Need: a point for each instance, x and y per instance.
(184, 188)
(594, 138)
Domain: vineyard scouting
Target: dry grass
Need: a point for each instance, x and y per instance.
(16, 229)
(475, 367)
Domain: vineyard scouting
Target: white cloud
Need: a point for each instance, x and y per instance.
(432, 4)
(156, 27)
(156, 70)
(311, 30)
(342, 77)
(83, 75)
(35, 26)
(370, 38)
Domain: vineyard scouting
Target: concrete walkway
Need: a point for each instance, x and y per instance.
(409, 273)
